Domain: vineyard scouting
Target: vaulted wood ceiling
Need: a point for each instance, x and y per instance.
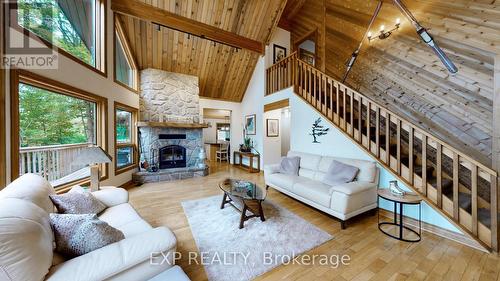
(224, 72)
(403, 73)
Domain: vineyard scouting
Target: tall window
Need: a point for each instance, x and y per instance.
(74, 26)
(55, 123)
(125, 138)
(126, 73)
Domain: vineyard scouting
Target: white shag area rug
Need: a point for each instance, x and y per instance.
(233, 254)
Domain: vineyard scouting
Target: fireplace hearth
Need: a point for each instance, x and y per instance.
(172, 156)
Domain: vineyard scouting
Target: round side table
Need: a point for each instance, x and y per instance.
(407, 199)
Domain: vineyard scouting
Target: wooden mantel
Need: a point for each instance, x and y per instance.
(172, 125)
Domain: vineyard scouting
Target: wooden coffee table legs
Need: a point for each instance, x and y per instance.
(254, 206)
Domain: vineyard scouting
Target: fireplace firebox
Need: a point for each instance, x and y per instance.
(172, 156)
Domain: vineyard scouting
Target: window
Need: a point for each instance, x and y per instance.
(125, 138)
(75, 27)
(55, 123)
(126, 73)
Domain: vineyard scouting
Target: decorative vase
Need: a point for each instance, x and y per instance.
(201, 157)
(395, 189)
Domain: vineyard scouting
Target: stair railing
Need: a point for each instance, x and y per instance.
(461, 188)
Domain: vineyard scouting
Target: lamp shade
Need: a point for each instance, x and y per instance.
(92, 155)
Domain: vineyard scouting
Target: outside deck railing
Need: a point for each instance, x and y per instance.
(51, 162)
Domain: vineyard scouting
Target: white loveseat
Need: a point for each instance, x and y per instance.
(27, 240)
(342, 201)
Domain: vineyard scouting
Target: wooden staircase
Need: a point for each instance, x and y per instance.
(459, 187)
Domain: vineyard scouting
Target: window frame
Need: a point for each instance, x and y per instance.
(119, 34)
(18, 76)
(133, 138)
(100, 37)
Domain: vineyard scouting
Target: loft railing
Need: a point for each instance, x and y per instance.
(51, 162)
(461, 188)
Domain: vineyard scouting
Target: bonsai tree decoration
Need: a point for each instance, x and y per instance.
(318, 130)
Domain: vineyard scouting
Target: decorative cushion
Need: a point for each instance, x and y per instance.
(290, 165)
(77, 235)
(77, 203)
(339, 173)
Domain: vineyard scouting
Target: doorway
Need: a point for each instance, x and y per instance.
(307, 47)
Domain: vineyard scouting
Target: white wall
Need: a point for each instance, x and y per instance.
(335, 143)
(210, 134)
(272, 145)
(254, 100)
(280, 37)
(236, 119)
(76, 75)
(285, 130)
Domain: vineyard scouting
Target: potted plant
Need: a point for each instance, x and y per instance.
(247, 145)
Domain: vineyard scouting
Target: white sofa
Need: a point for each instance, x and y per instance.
(342, 201)
(27, 240)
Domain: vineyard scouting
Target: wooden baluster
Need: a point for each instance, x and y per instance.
(271, 79)
(456, 206)
(324, 94)
(330, 94)
(377, 130)
(474, 198)
(337, 97)
(302, 79)
(424, 164)
(351, 108)
(360, 119)
(30, 162)
(439, 156)
(309, 95)
(410, 154)
(398, 145)
(23, 163)
(368, 117)
(387, 138)
(344, 105)
(494, 213)
(267, 82)
(315, 92)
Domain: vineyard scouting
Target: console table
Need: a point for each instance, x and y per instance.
(238, 157)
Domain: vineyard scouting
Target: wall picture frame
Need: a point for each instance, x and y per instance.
(250, 124)
(279, 53)
(273, 128)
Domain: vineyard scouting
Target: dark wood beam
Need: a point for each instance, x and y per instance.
(165, 18)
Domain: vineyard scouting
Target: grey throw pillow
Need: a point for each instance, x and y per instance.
(76, 235)
(77, 203)
(339, 173)
(290, 165)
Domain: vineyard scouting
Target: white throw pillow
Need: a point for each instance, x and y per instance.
(339, 173)
(290, 165)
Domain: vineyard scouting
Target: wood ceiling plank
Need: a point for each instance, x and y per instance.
(163, 17)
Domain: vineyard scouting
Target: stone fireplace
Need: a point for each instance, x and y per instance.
(169, 140)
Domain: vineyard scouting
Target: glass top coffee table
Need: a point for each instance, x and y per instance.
(243, 196)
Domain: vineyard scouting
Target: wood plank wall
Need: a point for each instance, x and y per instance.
(224, 72)
(404, 74)
(311, 17)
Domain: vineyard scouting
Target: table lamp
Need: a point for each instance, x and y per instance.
(93, 156)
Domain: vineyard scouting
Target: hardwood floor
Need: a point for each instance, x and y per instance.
(374, 256)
